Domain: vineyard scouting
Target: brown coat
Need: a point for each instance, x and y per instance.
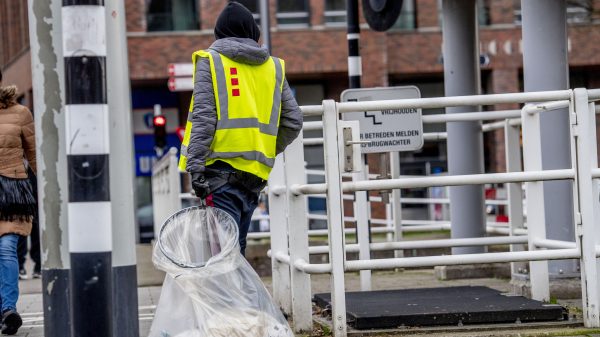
(17, 141)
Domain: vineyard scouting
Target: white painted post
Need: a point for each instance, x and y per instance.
(588, 215)
(279, 237)
(335, 217)
(389, 220)
(512, 141)
(298, 236)
(396, 201)
(536, 223)
(166, 188)
(361, 214)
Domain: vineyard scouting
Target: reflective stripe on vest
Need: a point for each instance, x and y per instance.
(245, 135)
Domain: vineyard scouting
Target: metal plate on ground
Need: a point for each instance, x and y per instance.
(441, 306)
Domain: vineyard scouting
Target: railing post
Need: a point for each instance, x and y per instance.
(512, 139)
(335, 217)
(362, 208)
(396, 201)
(174, 180)
(166, 188)
(536, 219)
(298, 236)
(587, 216)
(279, 236)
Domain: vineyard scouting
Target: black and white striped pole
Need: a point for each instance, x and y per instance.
(354, 60)
(87, 134)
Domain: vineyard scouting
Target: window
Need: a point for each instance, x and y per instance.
(483, 12)
(406, 20)
(292, 13)
(578, 11)
(335, 12)
(171, 15)
(254, 7)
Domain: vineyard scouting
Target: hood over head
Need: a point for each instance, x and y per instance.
(241, 50)
(236, 21)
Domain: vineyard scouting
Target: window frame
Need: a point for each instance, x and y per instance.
(293, 15)
(334, 13)
(195, 19)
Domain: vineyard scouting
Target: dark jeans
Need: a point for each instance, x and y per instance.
(240, 204)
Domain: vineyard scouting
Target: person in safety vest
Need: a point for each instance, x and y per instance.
(242, 114)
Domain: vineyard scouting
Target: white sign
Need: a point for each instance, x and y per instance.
(181, 69)
(180, 77)
(388, 130)
(181, 84)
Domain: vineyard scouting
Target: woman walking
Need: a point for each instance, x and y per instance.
(17, 202)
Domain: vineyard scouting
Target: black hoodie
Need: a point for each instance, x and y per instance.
(236, 21)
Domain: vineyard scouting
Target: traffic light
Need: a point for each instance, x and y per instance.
(160, 131)
(381, 14)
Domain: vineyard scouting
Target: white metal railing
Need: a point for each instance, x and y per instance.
(288, 193)
(288, 190)
(387, 223)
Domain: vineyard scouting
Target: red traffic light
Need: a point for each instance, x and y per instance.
(159, 121)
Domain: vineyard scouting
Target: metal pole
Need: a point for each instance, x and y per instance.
(354, 60)
(87, 132)
(545, 67)
(512, 139)
(587, 188)
(396, 201)
(465, 140)
(363, 207)
(335, 218)
(298, 236)
(265, 23)
(48, 97)
(125, 300)
(279, 237)
(532, 161)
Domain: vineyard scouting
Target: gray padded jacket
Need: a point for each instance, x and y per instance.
(204, 113)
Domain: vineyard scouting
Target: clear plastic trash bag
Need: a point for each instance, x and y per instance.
(210, 290)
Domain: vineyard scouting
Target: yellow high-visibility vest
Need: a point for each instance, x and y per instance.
(248, 102)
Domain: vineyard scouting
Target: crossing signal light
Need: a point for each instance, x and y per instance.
(160, 131)
(381, 14)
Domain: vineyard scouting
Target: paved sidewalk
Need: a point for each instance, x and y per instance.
(30, 306)
(30, 302)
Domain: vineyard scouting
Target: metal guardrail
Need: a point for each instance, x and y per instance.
(288, 191)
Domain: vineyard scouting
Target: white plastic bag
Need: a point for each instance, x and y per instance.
(210, 290)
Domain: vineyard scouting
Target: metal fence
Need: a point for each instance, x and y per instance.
(288, 212)
(289, 216)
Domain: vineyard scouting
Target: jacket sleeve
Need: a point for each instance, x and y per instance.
(28, 138)
(290, 121)
(204, 118)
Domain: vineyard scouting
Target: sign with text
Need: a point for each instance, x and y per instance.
(387, 130)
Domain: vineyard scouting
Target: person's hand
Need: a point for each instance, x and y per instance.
(200, 185)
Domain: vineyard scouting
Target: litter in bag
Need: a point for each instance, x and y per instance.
(210, 290)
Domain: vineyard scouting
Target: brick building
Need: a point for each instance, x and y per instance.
(310, 35)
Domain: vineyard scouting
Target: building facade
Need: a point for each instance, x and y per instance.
(311, 36)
